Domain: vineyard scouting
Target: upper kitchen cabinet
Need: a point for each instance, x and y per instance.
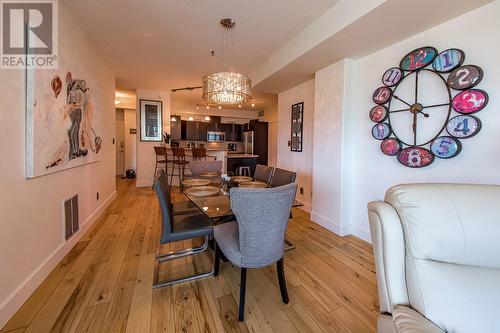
(203, 127)
(175, 128)
(189, 130)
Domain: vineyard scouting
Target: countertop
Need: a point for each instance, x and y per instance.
(242, 156)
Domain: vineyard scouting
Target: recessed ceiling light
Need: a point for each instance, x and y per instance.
(207, 118)
(190, 119)
(117, 102)
(197, 108)
(208, 106)
(220, 107)
(173, 118)
(239, 106)
(253, 104)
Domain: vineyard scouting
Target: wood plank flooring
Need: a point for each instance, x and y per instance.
(104, 283)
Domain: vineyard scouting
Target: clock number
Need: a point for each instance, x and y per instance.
(444, 147)
(447, 60)
(382, 95)
(462, 75)
(463, 126)
(414, 159)
(393, 76)
(417, 59)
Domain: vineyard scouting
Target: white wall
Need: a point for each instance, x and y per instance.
(349, 169)
(477, 34)
(31, 210)
(145, 151)
(300, 162)
(130, 140)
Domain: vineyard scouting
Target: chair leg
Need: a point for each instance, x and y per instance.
(243, 282)
(172, 175)
(183, 253)
(216, 259)
(281, 278)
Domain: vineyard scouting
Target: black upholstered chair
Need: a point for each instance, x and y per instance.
(263, 173)
(178, 227)
(282, 177)
(177, 208)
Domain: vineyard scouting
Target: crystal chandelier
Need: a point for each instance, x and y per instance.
(226, 87)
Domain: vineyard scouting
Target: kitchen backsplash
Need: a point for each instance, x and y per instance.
(212, 145)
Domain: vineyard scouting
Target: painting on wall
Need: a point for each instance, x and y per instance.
(63, 118)
(151, 120)
(297, 127)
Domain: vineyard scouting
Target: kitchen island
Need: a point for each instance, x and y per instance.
(231, 160)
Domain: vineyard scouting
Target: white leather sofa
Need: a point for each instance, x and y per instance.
(437, 254)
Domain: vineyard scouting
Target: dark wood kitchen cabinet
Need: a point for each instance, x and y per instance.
(203, 127)
(189, 130)
(175, 128)
(238, 130)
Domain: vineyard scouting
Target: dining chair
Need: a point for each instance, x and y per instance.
(179, 159)
(263, 173)
(161, 159)
(282, 177)
(176, 228)
(257, 237)
(200, 167)
(179, 207)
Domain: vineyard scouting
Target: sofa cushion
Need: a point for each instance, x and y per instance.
(452, 240)
(454, 223)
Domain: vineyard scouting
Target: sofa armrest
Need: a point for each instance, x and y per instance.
(407, 320)
(389, 251)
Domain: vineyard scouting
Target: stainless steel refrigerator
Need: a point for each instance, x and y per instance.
(248, 141)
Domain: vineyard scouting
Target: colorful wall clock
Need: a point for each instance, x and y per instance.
(411, 122)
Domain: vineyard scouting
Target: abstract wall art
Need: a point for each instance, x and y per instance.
(63, 119)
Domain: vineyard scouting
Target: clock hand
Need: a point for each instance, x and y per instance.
(399, 110)
(414, 126)
(416, 87)
(426, 115)
(399, 99)
(436, 105)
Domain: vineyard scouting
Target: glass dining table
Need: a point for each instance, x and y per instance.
(217, 208)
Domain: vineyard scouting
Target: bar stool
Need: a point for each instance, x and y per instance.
(179, 160)
(199, 154)
(243, 171)
(161, 159)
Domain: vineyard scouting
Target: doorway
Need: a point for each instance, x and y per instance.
(120, 142)
(272, 144)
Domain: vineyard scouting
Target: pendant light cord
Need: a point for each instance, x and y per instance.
(227, 46)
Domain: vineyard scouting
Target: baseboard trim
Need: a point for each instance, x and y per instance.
(326, 223)
(361, 233)
(29, 285)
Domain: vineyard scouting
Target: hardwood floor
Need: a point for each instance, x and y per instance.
(104, 283)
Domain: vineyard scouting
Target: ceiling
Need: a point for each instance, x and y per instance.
(160, 45)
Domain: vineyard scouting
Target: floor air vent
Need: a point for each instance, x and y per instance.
(71, 223)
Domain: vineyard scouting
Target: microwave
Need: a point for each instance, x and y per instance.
(216, 136)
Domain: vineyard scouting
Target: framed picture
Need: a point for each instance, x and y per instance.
(297, 127)
(64, 118)
(151, 120)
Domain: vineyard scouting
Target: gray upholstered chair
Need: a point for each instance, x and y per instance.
(257, 238)
(263, 173)
(282, 177)
(179, 227)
